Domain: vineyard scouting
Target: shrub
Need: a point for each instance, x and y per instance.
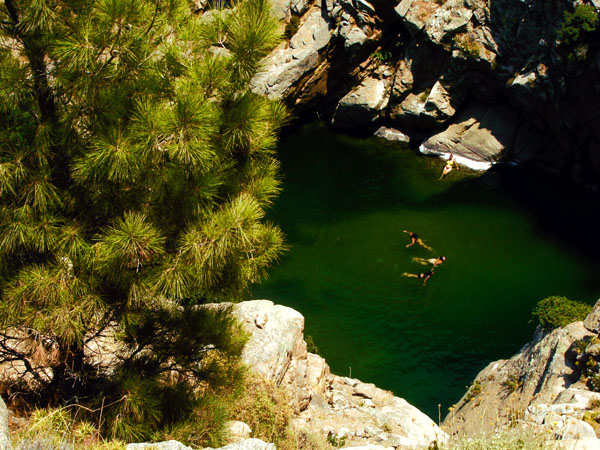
(291, 27)
(473, 391)
(556, 312)
(466, 44)
(265, 408)
(310, 345)
(383, 56)
(582, 20)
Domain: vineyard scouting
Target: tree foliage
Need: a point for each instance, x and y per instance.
(135, 168)
(554, 312)
(577, 24)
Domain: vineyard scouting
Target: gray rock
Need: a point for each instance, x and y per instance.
(440, 103)
(299, 7)
(452, 16)
(272, 345)
(363, 104)
(287, 65)
(592, 321)
(414, 18)
(44, 444)
(4, 435)
(237, 431)
(353, 36)
(247, 444)
(477, 138)
(166, 445)
(391, 134)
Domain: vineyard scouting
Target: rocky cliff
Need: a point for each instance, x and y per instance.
(490, 80)
(549, 386)
(339, 408)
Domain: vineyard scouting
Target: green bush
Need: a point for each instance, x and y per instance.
(383, 56)
(583, 19)
(310, 345)
(554, 312)
(291, 27)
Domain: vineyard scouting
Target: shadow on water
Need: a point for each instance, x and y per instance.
(508, 240)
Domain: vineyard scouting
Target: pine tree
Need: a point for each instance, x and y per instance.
(135, 168)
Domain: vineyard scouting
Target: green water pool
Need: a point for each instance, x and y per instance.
(511, 238)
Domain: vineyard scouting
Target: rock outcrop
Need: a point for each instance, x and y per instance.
(539, 386)
(340, 408)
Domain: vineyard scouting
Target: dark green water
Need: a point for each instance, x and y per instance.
(511, 238)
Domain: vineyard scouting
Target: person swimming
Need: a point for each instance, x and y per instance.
(415, 239)
(422, 276)
(450, 164)
(430, 261)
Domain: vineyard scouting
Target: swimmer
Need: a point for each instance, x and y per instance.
(433, 261)
(450, 164)
(415, 239)
(422, 276)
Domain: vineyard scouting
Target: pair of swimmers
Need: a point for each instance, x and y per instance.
(415, 239)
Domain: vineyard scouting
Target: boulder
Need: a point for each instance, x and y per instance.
(4, 435)
(280, 8)
(477, 137)
(415, 14)
(391, 134)
(237, 431)
(288, 64)
(362, 105)
(440, 103)
(276, 337)
(452, 16)
(354, 37)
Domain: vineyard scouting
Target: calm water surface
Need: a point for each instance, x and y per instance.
(511, 238)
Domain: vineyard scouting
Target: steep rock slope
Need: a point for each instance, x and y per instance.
(540, 386)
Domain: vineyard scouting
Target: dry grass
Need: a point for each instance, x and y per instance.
(266, 409)
(50, 429)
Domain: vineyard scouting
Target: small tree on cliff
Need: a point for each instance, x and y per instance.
(135, 166)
